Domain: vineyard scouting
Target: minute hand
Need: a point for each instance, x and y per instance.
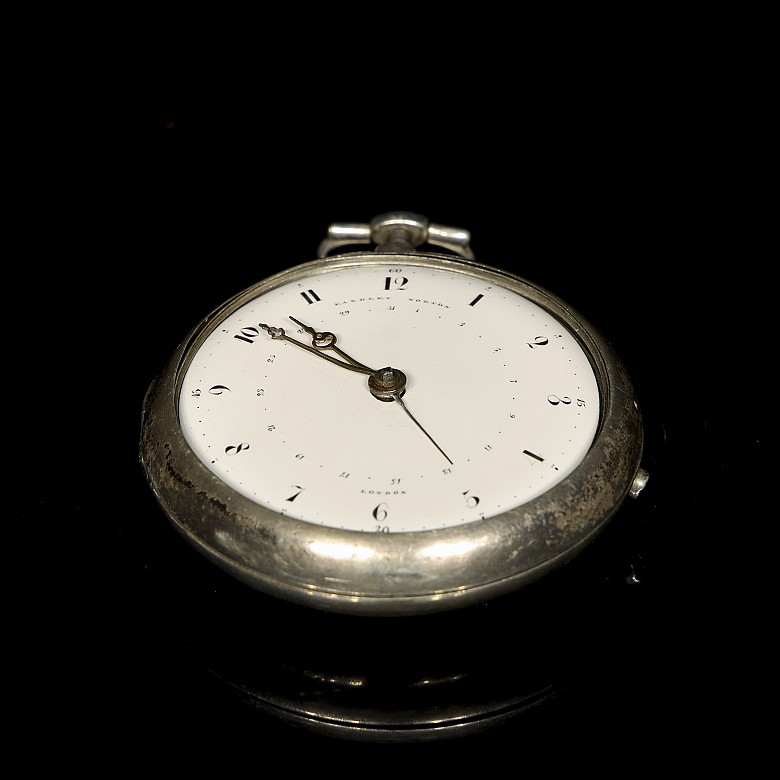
(320, 341)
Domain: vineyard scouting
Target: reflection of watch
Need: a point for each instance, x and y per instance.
(392, 432)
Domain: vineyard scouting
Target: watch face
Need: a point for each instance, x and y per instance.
(501, 401)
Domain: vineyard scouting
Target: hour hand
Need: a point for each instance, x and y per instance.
(327, 340)
(320, 341)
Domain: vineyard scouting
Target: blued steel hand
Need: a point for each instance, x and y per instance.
(385, 384)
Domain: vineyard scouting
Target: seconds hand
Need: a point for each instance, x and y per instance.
(385, 384)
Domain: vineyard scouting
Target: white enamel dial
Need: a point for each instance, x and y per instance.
(502, 387)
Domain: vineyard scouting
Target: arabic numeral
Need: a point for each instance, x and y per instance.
(310, 296)
(539, 341)
(295, 495)
(247, 334)
(556, 400)
(380, 512)
(397, 283)
(234, 449)
(471, 501)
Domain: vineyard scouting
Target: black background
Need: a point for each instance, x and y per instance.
(638, 212)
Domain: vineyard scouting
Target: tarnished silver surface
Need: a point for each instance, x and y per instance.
(401, 573)
(400, 231)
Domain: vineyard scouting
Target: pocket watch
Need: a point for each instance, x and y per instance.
(393, 431)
